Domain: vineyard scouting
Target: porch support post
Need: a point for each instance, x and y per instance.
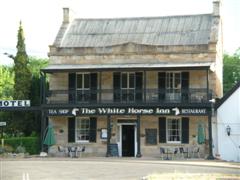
(138, 138)
(207, 72)
(44, 88)
(210, 156)
(41, 88)
(145, 93)
(100, 87)
(108, 135)
(43, 128)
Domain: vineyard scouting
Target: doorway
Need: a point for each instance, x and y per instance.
(128, 140)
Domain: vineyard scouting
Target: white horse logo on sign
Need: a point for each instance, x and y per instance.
(74, 111)
(177, 111)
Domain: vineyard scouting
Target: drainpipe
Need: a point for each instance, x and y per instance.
(210, 115)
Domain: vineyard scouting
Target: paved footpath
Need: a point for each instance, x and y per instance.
(112, 168)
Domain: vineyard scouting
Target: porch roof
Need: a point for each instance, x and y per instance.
(128, 66)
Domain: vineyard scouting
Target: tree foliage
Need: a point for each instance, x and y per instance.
(6, 82)
(22, 76)
(26, 122)
(231, 70)
(35, 64)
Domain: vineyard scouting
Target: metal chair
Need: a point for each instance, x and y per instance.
(196, 150)
(182, 152)
(162, 152)
(62, 151)
(175, 153)
(80, 150)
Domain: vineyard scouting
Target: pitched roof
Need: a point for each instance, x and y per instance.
(155, 31)
(228, 94)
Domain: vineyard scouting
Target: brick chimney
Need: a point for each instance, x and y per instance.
(66, 17)
(216, 7)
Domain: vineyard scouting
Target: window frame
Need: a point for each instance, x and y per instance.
(173, 91)
(179, 130)
(128, 88)
(168, 80)
(83, 81)
(82, 90)
(128, 81)
(77, 119)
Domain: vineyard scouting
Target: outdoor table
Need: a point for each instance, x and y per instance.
(72, 151)
(168, 152)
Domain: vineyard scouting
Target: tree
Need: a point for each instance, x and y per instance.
(231, 70)
(35, 64)
(22, 80)
(22, 76)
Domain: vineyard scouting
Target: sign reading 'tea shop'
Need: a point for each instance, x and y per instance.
(15, 103)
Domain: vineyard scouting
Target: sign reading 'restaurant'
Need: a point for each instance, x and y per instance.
(15, 103)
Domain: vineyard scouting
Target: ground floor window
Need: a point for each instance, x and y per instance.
(82, 129)
(173, 127)
(174, 130)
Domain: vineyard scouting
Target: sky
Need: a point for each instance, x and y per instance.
(41, 19)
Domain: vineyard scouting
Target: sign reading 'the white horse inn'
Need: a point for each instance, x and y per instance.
(15, 103)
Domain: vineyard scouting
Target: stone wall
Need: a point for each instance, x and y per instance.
(173, 55)
(147, 122)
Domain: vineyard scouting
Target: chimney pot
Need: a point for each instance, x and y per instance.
(216, 7)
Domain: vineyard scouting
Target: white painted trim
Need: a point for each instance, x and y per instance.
(120, 137)
(180, 125)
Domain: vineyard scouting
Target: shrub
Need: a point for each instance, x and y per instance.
(31, 144)
(7, 149)
(20, 149)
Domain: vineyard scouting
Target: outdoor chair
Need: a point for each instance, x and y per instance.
(183, 151)
(196, 150)
(175, 153)
(80, 150)
(162, 152)
(62, 151)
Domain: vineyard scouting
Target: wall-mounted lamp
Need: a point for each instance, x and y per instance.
(228, 129)
(61, 131)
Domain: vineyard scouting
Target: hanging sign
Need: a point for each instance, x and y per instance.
(127, 111)
(15, 103)
(3, 123)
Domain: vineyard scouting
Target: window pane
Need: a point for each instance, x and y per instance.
(79, 81)
(86, 81)
(131, 80)
(174, 131)
(124, 95)
(82, 129)
(124, 80)
(168, 81)
(131, 95)
(79, 95)
(177, 81)
(171, 80)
